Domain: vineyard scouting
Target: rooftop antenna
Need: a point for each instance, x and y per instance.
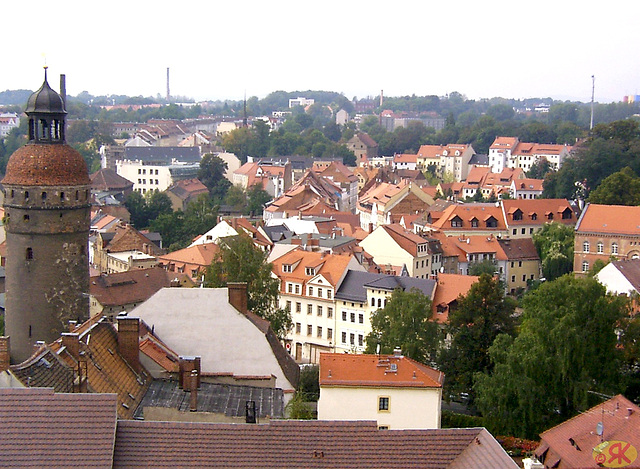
(593, 91)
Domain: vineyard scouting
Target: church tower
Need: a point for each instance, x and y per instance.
(47, 218)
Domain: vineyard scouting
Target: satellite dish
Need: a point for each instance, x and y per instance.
(600, 429)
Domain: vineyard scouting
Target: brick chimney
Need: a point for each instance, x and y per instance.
(5, 353)
(71, 341)
(238, 296)
(189, 368)
(128, 340)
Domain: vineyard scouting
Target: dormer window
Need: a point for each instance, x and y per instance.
(456, 222)
(534, 216)
(550, 216)
(492, 222)
(288, 268)
(310, 271)
(474, 222)
(566, 214)
(517, 215)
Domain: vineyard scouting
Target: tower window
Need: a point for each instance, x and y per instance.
(77, 195)
(29, 254)
(44, 196)
(25, 217)
(62, 196)
(26, 195)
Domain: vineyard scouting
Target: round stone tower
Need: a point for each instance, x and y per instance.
(47, 218)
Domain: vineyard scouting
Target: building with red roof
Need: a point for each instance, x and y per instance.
(395, 391)
(604, 232)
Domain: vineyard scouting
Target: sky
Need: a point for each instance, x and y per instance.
(224, 49)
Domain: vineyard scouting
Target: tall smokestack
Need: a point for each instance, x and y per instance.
(381, 97)
(63, 89)
(168, 92)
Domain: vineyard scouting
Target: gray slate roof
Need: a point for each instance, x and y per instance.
(163, 155)
(354, 283)
(217, 398)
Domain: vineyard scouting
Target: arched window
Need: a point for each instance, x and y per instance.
(26, 196)
(29, 254)
(585, 246)
(614, 248)
(44, 196)
(585, 266)
(373, 301)
(379, 303)
(600, 247)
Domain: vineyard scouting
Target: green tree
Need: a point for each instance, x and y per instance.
(236, 198)
(257, 200)
(480, 317)
(239, 260)
(621, 188)
(137, 207)
(554, 243)
(158, 203)
(485, 267)
(539, 169)
(566, 348)
(309, 384)
(211, 174)
(405, 322)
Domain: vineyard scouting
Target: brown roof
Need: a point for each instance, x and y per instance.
(107, 371)
(46, 165)
(200, 255)
(339, 369)
(41, 428)
(308, 444)
(45, 369)
(466, 213)
(519, 249)
(134, 286)
(331, 266)
(188, 188)
(107, 179)
(406, 239)
(572, 443)
(614, 219)
(127, 238)
(631, 270)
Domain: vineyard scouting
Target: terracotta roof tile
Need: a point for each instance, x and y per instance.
(107, 179)
(621, 419)
(309, 444)
(614, 219)
(339, 369)
(41, 428)
(448, 289)
(46, 165)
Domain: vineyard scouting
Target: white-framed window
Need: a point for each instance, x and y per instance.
(600, 247)
(614, 248)
(585, 266)
(585, 246)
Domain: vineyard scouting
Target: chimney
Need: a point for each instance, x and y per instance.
(189, 367)
(397, 352)
(128, 340)
(5, 353)
(72, 325)
(238, 296)
(193, 398)
(71, 341)
(63, 89)
(370, 227)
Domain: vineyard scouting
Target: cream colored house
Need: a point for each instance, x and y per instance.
(393, 246)
(395, 391)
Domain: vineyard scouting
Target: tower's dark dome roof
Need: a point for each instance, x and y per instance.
(45, 100)
(46, 165)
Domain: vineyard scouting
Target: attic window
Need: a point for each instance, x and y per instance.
(566, 214)
(474, 222)
(534, 216)
(287, 268)
(517, 215)
(456, 222)
(492, 222)
(310, 271)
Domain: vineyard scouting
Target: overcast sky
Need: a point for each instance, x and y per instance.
(220, 49)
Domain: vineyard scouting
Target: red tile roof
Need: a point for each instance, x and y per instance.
(571, 443)
(41, 428)
(46, 165)
(339, 369)
(448, 290)
(307, 444)
(612, 219)
(536, 211)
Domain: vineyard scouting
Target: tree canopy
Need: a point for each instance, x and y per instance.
(554, 243)
(479, 318)
(211, 174)
(566, 347)
(239, 260)
(405, 322)
(621, 188)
